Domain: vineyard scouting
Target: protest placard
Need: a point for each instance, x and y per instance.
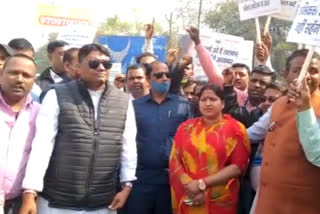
(116, 69)
(255, 8)
(225, 50)
(77, 35)
(306, 25)
(306, 30)
(288, 11)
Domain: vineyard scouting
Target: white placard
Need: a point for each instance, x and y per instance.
(255, 8)
(225, 50)
(306, 25)
(77, 35)
(116, 69)
(289, 10)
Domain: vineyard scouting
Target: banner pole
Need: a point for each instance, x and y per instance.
(267, 25)
(306, 64)
(258, 30)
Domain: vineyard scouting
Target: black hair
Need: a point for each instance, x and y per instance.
(135, 67)
(298, 53)
(265, 70)
(278, 87)
(215, 89)
(138, 59)
(17, 56)
(20, 44)
(85, 50)
(55, 44)
(241, 65)
(67, 57)
(190, 82)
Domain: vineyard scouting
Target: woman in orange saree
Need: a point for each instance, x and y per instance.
(208, 156)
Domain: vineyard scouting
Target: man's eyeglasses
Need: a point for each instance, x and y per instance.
(271, 99)
(122, 80)
(160, 75)
(94, 64)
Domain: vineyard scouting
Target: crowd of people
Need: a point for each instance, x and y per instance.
(156, 140)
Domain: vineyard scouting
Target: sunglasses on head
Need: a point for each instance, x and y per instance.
(160, 75)
(94, 64)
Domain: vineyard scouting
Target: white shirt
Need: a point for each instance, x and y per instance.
(258, 131)
(56, 78)
(36, 89)
(47, 128)
(148, 46)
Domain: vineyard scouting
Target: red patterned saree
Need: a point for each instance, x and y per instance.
(199, 151)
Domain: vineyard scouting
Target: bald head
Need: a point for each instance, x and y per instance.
(158, 67)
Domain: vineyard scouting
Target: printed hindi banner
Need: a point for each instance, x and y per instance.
(58, 16)
(306, 25)
(77, 35)
(289, 10)
(224, 49)
(255, 8)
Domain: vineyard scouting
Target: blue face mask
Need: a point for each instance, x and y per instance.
(161, 88)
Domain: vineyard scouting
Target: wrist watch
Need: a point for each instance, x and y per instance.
(127, 184)
(202, 185)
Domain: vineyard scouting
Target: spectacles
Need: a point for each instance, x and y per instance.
(160, 75)
(271, 99)
(120, 80)
(94, 64)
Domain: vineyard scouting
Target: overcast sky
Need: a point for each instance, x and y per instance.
(18, 17)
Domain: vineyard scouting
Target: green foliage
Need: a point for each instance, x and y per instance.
(225, 18)
(41, 57)
(114, 26)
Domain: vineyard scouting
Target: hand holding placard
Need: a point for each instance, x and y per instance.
(255, 8)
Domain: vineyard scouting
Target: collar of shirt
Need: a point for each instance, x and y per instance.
(249, 106)
(6, 108)
(56, 78)
(148, 97)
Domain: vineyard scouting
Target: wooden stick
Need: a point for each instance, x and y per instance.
(306, 64)
(267, 25)
(300, 46)
(258, 30)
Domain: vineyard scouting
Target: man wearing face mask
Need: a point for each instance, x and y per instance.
(158, 115)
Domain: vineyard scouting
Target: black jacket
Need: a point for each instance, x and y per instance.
(45, 80)
(239, 112)
(83, 169)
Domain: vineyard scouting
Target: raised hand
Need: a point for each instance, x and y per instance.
(262, 53)
(172, 56)
(149, 30)
(267, 40)
(299, 93)
(194, 34)
(228, 76)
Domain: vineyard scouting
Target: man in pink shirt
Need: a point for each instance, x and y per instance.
(17, 127)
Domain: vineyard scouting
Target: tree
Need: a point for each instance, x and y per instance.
(114, 26)
(225, 18)
(41, 57)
